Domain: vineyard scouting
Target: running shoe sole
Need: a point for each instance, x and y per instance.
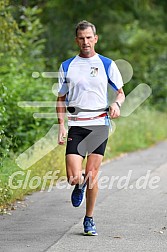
(90, 233)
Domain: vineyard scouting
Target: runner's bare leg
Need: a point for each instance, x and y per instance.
(92, 168)
(74, 169)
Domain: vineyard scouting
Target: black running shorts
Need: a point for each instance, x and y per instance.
(87, 139)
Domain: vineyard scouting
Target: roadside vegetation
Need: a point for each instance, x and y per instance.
(138, 131)
(35, 37)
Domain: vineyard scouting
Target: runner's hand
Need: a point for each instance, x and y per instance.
(62, 135)
(114, 111)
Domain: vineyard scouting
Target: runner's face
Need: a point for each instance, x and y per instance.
(86, 41)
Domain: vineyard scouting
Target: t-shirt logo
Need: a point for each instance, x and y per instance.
(93, 71)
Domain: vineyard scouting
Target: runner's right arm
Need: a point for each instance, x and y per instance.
(61, 111)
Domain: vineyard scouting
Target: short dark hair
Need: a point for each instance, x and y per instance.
(82, 25)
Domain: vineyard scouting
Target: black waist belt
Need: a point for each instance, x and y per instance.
(76, 110)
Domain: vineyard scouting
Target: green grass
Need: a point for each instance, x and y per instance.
(140, 130)
(16, 183)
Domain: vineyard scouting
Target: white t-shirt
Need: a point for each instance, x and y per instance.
(85, 83)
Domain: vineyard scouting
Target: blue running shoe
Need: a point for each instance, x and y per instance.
(89, 227)
(78, 195)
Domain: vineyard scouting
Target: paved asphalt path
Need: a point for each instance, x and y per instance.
(131, 219)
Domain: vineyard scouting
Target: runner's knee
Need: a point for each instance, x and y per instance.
(73, 180)
(91, 176)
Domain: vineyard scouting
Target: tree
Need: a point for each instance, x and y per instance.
(21, 54)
